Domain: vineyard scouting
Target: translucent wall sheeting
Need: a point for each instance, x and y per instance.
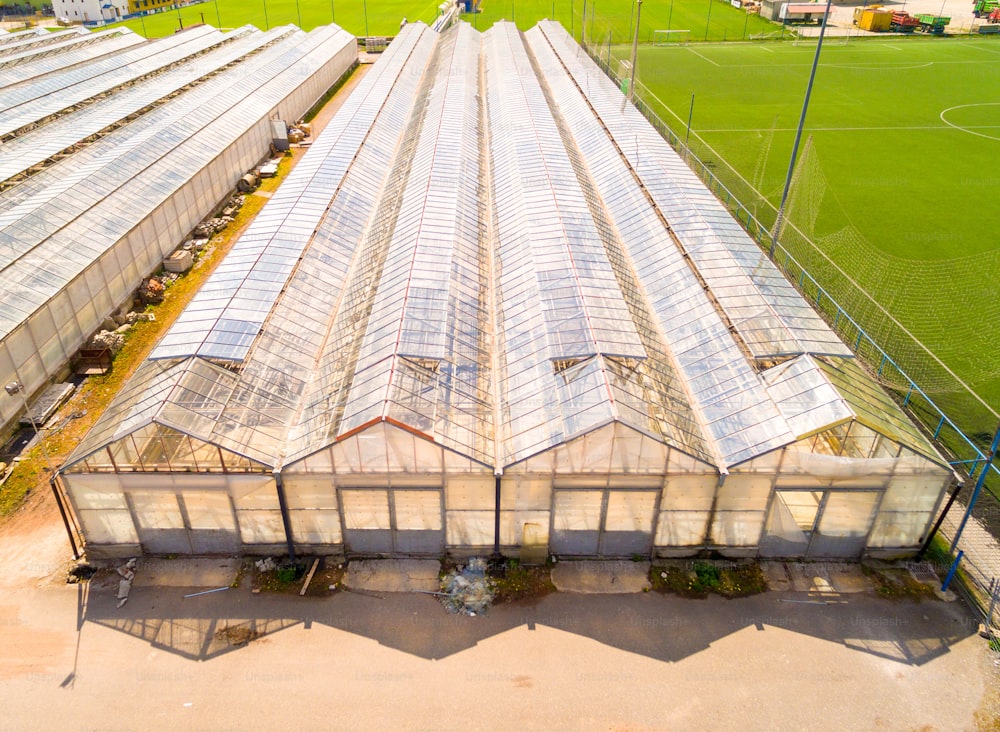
(178, 514)
(384, 449)
(614, 449)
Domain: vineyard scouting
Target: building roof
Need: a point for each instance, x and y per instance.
(55, 224)
(489, 250)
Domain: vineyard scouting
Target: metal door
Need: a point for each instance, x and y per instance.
(210, 521)
(843, 526)
(819, 524)
(194, 522)
(393, 521)
(159, 522)
(605, 522)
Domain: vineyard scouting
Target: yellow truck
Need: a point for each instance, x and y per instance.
(873, 18)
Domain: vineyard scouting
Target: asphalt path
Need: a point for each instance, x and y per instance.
(71, 659)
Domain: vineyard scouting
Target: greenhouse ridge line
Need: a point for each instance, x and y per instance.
(825, 256)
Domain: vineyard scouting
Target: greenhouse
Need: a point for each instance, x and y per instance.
(493, 311)
(113, 151)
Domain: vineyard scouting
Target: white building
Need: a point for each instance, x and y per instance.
(88, 11)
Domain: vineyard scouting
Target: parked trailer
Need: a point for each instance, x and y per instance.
(903, 22)
(932, 23)
(803, 12)
(984, 8)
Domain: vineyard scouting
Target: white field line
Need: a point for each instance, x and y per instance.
(859, 65)
(970, 128)
(703, 58)
(987, 50)
(832, 263)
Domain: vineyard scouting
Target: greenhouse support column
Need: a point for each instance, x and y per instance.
(937, 524)
(798, 132)
(979, 486)
(496, 519)
(65, 518)
(286, 520)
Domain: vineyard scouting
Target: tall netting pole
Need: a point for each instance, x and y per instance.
(635, 49)
(798, 132)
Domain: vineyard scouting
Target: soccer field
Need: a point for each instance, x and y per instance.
(711, 19)
(897, 189)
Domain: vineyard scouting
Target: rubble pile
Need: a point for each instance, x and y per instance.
(467, 590)
(151, 291)
(110, 339)
(127, 574)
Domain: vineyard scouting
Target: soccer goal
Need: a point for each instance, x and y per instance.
(670, 37)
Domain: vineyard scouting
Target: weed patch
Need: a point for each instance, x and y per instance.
(514, 582)
(701, 579)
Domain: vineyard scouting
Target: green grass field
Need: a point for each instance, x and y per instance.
(711, 19)
(898, 182)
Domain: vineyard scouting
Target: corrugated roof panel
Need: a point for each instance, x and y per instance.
(731, 263)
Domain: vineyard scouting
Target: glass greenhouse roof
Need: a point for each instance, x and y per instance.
(33, 147)
(872, 405)
(228, 312)
(40, 40)
(806, 397)
(72, 52)
(470, 254)
(58, 222)
(767, 312)
(27, 103)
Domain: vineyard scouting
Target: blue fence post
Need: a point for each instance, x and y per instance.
(951, 572)
(979, 486)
